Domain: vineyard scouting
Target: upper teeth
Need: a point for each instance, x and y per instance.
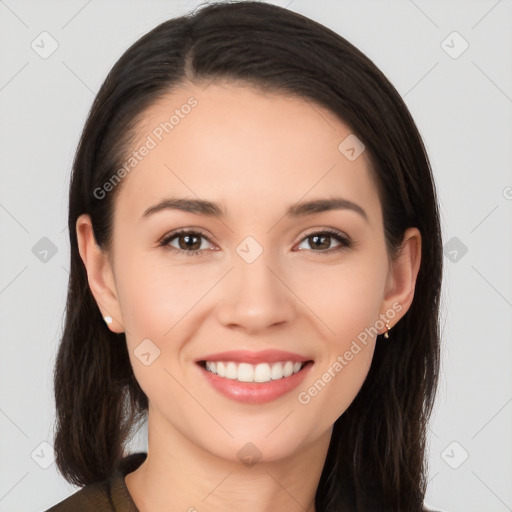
(262, 372)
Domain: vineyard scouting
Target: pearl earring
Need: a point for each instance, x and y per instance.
(108, 320)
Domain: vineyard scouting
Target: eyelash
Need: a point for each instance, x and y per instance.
(345, 242)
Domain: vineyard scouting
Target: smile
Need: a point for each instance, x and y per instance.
(254, 377)
(245, 372)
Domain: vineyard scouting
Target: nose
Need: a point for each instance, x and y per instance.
(256, 296)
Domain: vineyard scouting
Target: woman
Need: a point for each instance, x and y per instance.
(255, 268)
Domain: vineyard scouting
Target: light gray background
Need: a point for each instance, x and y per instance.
(463, 109)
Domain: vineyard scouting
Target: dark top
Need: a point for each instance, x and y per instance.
(109, 495)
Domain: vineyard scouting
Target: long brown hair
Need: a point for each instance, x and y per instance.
(376, 458)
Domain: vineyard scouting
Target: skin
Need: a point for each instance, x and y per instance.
(256, 154)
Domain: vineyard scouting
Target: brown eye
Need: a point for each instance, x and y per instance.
(320, 241)
(189, 242)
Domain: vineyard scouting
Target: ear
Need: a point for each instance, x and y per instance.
(99, 273)
(402, 277)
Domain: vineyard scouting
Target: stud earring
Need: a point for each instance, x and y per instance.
(108, 320)
(388, 327)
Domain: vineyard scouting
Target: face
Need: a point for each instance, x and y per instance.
(283, 300)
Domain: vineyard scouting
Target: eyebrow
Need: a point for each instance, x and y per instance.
(211, 209)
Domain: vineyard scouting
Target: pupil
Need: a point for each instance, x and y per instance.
(316, 238)
(188, 242)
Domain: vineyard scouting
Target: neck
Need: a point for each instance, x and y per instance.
(179, 475)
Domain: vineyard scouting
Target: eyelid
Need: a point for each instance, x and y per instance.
(187, 230)
(333, 231)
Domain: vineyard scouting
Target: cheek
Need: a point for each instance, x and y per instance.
(339, 375)
(332, 393)
(155, 295)
(345, 298)
(348, 307)
(155, 304)
(162, 310)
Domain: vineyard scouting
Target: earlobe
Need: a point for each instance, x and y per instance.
(404, 272)
(99, 274)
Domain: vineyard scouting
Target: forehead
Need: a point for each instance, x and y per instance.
(255, 153)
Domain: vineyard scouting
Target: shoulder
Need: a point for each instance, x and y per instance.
(93, 497)
(109, 495)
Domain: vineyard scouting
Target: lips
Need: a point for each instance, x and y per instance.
(254, 377)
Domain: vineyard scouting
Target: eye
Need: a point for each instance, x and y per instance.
(320, 240)
(189, 242)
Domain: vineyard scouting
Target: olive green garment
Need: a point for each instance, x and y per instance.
(110, 495)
